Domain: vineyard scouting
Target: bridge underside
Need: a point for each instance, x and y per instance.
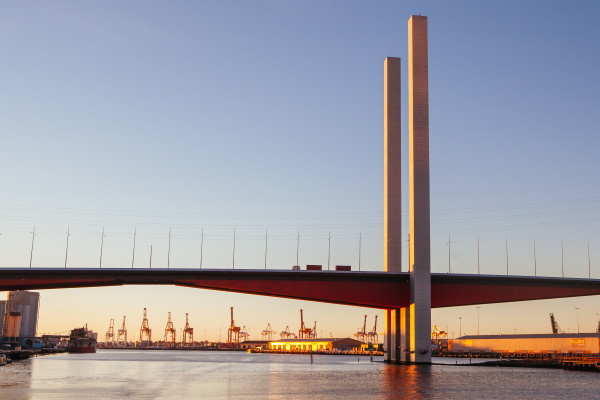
(384, 290)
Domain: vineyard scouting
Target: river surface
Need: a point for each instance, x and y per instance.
(131, 374)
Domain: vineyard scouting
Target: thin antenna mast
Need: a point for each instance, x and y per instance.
(32, 239)
(201, 247)
(101, 247)
(133, 253)
(67, 248)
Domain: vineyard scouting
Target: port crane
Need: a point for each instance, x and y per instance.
(437, 334)
(244, 334)
(233, 333)
(304, 332)
(110, 334)
(268, 332)
(286, 334)
(188, 333)
(439, 338)
(170, 332)
(145, 331)
(362, 332)
(372, 335)
(122, 333)
(314, 330)
(554, 323)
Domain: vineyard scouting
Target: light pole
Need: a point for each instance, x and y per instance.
(266, 246)
(32, 239)
(506, 245)
(577, 308)
(478, 268)
(562, 259)
(298, 249)
(359, 249)
(201, 248)
(169, 251)
(449, 241)
(233, 256)
(67, 248)
(589, 262)
(328, 250)
(133, 252)
(459, 326)
(478, 320)
(101, 247)
(534, 259)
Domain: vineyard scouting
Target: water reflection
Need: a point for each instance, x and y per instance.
(224, 375)
(407, 381)
(15, 380)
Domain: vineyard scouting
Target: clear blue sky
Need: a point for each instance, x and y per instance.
(267, 115)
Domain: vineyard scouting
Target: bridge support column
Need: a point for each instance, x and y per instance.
(393, 335)
(397, 335)
(408, 330)
(419, 197)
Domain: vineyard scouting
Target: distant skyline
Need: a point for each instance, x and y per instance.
(266, 117)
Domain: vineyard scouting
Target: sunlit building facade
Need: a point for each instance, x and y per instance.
(569, 343)
(319, 344)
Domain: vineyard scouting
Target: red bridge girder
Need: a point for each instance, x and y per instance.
(383, 290)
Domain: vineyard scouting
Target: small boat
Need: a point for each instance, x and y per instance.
(83, 340)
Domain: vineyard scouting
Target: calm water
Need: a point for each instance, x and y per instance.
(128, 374)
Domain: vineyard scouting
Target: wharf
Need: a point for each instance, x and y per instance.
(20, 354)
(570, 363)
(172, 348)
(320, 352)
(516, 355)
(15, 355)
(582, 364)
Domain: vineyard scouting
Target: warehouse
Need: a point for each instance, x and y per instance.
(254, 344)
(319, 344)
(584, 343)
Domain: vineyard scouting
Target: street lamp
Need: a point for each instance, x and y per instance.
(577, 308)
(449, 241)
(459, 326)
(506, 245)
(478, 266)
(478, 320)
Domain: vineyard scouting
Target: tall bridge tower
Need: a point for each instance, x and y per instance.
(407, 329)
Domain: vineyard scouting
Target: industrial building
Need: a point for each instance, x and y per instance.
(19, 318)
(254, 345)
(318, 344)
(559, 343)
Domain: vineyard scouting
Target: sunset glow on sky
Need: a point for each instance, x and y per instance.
(195, 119)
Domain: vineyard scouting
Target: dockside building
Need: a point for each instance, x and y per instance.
(318, 344)
(567, 343)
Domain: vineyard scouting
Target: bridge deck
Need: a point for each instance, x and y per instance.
(383, 290)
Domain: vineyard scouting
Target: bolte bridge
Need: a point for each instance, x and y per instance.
(383, 290)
